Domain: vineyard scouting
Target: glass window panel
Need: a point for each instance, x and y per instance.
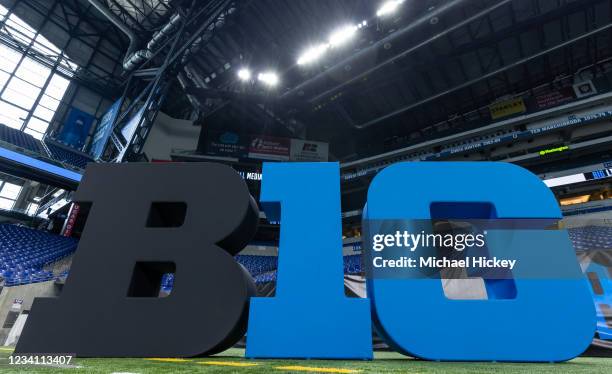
(17, 31)
(33, 72)
(9, 59)
(20, 93)
(6, 204)
(57, 86)
(21, 27)
(10, 122)
(32, 207)
(17, 98)
(23, 39)
(48, 102)
(37, 125)
(45, 43)
(34, 133)
(21, 90)
(42, 49)
(23, 87)
(10, 190)
(44, 113)
(3, 79)
(12, 116)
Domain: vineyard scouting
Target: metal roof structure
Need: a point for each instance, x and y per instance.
(418, 71)
(430, 62)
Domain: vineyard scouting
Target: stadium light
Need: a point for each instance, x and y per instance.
(312, 54)
(388, 7)
(342, 35)
(244, 74)
(269, 78)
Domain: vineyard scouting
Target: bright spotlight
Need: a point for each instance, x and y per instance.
(269, 78)
(342, 35)
(312, 54)
(244, 74)
(389, 7)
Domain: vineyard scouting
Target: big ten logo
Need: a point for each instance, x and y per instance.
(190, 219)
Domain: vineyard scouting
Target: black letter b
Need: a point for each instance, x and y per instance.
(147, 219)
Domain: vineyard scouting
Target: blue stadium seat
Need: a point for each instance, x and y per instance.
(24, 252)
(67, 156)
(263, 268)
(352, 264)
(258, 264)
(20, 139)
(58, 153)
(167, 282)
(269, 276)
(591, 237)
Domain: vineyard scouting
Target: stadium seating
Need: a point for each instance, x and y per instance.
(69, 157)
(167, 282)
(269, 276)
(258, 264)
(24, 252)
(591, 237)
(352, 264)
(263, 268)
(58, 153)
(20, 139)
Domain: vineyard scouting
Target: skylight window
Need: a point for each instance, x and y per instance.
(9, 193)
(30, 92)
(32, 208)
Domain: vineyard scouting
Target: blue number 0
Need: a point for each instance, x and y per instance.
(546, 319)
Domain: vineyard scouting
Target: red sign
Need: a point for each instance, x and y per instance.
(554, 98)
(72, 216)
(269, 148)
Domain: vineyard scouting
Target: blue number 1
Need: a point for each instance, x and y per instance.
(310, 316)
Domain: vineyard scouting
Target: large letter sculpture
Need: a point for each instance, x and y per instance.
(189, 219)
(309, 317)
(146, 220)
(545, 319)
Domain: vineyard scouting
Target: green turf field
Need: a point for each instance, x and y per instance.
(231, 361)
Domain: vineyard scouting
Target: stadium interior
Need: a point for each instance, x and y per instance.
(364, 83)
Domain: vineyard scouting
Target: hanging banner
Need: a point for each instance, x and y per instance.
(306, 150)
(130, 127)
(75, 131)
(226, 144)
(103, 132)
(554, 98)
(71, 220)
(507, 108)
(269, 148)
